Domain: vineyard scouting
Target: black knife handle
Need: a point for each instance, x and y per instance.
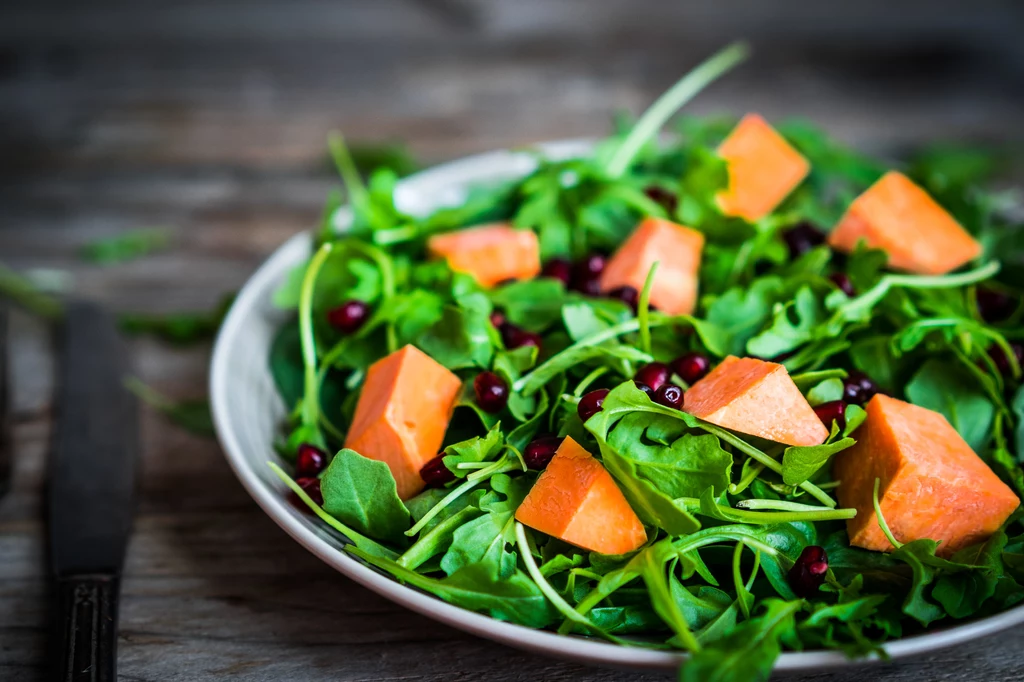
(87, 628)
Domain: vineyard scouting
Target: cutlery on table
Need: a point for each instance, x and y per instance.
(91, 492)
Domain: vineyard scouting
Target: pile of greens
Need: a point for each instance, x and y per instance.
(727, 515)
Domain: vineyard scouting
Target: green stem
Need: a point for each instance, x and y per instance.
(643, 309)
(878, 292)
(549, 592)
(589, 379)
(387, 281)
(669, 103)
(612, 332)
(357, 193)
(780, 505)
(746, 481)
(311, 395)
(748, 449)
(499, 467)
(428, 545)
(26, 295)
(881, 519)
(769, 517)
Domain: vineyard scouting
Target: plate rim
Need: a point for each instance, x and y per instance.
(583, 650)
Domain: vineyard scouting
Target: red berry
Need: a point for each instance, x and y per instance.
(645, 388)
(590, 404)
(349, 316)
(691, 367)
(808, 572)
(558, 268)
(669, 395)
(802, 238)
(498, 318)
(666, 199)
(435, 474)
(627, 294)
(995, 306)
(842, 281)
(587, 272)
(514, 337)
(858, 388)
(311, 486)
(654, 375)
(491, 392)
(309, 461)
(540, 451)
(833, 411)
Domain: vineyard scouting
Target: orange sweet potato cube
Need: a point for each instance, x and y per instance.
(763, 169)
(932, 484)
(898, 217)
(576, 500)
(402, 414)
(676, 249)
(755, 397)
(490, 253)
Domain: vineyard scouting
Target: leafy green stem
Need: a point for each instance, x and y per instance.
(357, 193)
(311, 395)
(643, 310)
(881, 519)
(669, 103)
(876, 293)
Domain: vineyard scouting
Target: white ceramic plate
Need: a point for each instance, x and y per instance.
(247, 412)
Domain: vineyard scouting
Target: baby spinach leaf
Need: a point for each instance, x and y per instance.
(533, 304)
(361, 493)
(461, 338)
(661, 450)
(948, 389)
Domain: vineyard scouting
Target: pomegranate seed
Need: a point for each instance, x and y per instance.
(666, 199)
(498, 318)
(540, 451)
(311, 486)
(435, 474)
(995, 306)
(514, 337)
(645, 388)
(558, 268)
(349, 316)
(802, 238)
(691, 367)
(833, 411)
(590, 287)
(491, 392)
(1002, 362)
(842, 281)
(627, 294)
(808, 573)
(591, 403)
(590, 267)
(309, 461)
(669, 395)
(654, 375)
(858, 388)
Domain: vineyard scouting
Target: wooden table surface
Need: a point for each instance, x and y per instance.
(209, 119)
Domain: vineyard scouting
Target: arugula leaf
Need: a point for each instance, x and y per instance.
(192, 415)
(476, 449)
(800, 463)
(462, 337)
(126, 246)
(362, 493)
(748, 652)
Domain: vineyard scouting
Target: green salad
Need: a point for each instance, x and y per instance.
(731, 389)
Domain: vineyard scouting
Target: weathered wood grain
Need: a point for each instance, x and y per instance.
(208, 118)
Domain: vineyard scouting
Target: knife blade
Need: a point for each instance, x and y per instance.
(91, 491)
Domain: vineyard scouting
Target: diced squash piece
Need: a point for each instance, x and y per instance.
(575, 499)
(932, 484)
(758, 398)
(676, 249)
(898, 217)
(490, 253)
(763, 169)
(402, 414)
